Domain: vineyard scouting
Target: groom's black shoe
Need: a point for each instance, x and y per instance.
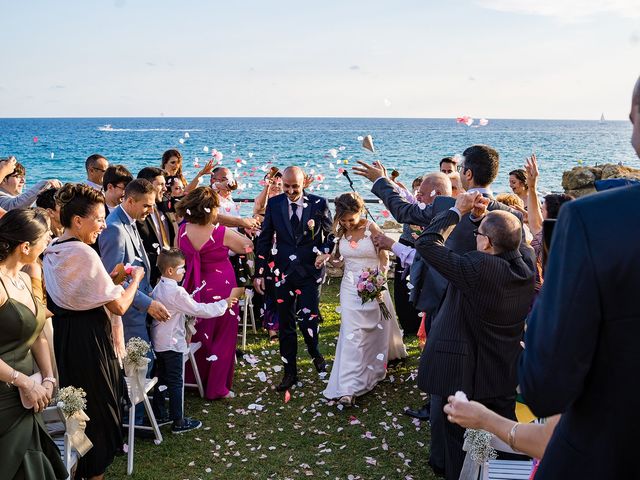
(287, 382)
(421, 414)
(320, 364)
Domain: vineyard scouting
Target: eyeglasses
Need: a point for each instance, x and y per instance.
(460, 168)
(99, 169)
(477, 232)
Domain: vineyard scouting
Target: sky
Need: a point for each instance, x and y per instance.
(547, 59)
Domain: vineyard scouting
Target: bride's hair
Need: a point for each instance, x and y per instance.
(346, 204)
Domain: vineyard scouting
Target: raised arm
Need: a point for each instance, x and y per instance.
(26, 199)
(463, 271)
(534, 212)
(208, 168)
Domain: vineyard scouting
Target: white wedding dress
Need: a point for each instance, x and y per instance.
(367, 341)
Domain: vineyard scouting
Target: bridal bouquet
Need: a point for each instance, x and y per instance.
(371, 283)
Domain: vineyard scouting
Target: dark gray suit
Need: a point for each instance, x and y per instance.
(474, 341)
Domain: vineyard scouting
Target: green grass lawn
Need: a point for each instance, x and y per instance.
(306, 437)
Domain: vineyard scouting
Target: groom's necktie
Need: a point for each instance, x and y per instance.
(295, 221)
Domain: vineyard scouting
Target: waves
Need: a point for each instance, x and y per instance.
(108, 128)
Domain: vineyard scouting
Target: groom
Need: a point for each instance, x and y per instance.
(294, 244)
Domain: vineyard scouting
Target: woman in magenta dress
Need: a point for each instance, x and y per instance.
(209, 272)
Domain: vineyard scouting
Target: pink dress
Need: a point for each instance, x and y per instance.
(218, 335)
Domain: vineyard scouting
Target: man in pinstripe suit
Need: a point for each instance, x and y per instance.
(475, 336)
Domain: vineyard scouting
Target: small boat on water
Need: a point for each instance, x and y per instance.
(602, 120)
(105, 128)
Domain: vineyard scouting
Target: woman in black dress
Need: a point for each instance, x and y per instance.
(88, 335)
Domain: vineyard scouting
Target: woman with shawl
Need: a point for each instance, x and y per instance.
(88, 333)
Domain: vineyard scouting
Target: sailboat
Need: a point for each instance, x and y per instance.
(602, 120)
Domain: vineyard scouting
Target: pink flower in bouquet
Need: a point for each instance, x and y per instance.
(365, 274)
(360, 287)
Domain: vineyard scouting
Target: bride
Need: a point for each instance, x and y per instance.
(367, 341)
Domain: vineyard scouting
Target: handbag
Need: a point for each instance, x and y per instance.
(26, 403)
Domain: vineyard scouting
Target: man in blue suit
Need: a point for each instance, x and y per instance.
(582, 357)
(120, 243)
(301, 225)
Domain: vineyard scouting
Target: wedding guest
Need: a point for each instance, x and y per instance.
(115, 180)
(581, 354)
(474, 340)
(448, 165)
(358, 368)
(156, 230)
(120, 243)
(518, 183)
(210, 277)
(514, 201)
(224, 184)
(268, 309)
(12, 186)
(96, 165)
(175, 187)
(7, 166)
(47, 201)
(172, 164)
(456, 184)
(88, 332)
(272, 187)
(538, 213)
(170, 338)
(26, 450)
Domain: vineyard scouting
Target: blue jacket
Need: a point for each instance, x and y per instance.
(118, 245)
(293, 256)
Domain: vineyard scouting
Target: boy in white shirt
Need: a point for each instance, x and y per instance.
(169, 338)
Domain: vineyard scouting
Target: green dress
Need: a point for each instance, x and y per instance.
(26, 449)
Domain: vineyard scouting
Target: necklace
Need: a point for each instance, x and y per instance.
(19, 283)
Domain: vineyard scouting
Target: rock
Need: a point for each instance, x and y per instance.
(579, 181)
(620, 171)
(391, 225)
(578, 177)
(581, 192)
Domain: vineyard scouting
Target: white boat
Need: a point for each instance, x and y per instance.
(105, 128)
(602, 120)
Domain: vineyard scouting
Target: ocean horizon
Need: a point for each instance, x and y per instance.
(58, 147)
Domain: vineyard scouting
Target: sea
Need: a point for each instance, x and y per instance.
(58, 147)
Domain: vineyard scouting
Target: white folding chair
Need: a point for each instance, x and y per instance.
(246, 304)
(190, 356)
(149, 384)
(57, 428)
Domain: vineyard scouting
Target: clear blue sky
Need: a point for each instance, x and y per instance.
(408, 58)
